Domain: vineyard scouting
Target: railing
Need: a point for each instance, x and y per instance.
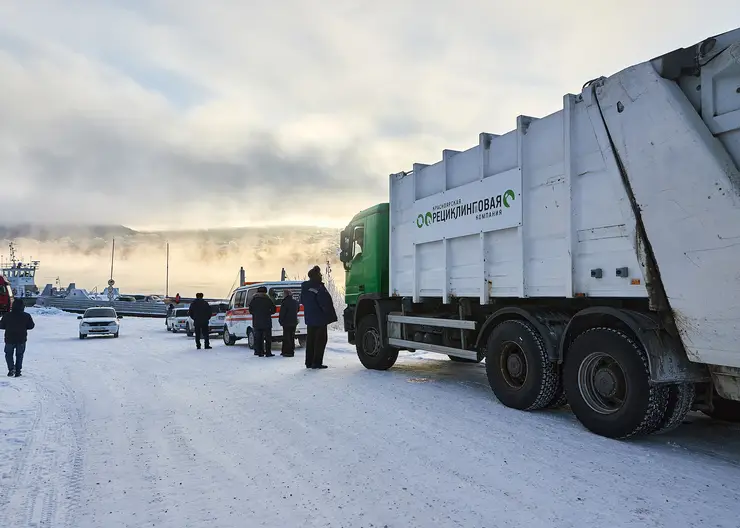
(137, 309)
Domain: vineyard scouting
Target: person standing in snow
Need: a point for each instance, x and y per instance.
(16, 324)
(170, 309)
(200, 312)
(289, 321)
(319, 313)
(261, 307)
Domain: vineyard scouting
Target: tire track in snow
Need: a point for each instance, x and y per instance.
(50, 471)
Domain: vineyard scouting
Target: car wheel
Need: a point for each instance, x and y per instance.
(250, 339)
(82, 336)
(188, 331)
(115, 335)
(229, 340)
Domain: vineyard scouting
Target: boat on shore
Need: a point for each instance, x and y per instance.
(21, 276)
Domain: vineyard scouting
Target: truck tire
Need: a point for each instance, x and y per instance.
(559, 399)
(680, 400)
(373, 355)
(229, 340)
(464, 360)
(519, 371)
(724, 409)
(599, 367)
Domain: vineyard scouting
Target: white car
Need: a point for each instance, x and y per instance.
(178, 320)
(101, 320)
(215, 323)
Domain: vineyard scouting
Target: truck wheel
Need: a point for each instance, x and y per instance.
(519, 371)
(680, 400)
(724, 409)
(464, 360)
(373, 355)
(607, 382)
(559, 399)
(229, 340)
(250, 339)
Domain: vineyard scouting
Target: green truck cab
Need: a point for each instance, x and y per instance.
(364, 246)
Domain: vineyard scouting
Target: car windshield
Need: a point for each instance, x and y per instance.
(278, 294)
(100, 312)
(219, 308)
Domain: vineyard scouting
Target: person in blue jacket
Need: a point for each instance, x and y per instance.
(318, 312)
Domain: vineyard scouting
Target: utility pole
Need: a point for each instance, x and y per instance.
(112, 253)
(167, 276)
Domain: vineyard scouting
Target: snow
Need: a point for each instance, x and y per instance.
(145, 430)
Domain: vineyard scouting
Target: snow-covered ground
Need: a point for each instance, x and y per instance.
(145, 430)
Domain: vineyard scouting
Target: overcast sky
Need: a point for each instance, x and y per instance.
(200, 113)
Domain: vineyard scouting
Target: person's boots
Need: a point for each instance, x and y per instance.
(11, 373)
(17, 373)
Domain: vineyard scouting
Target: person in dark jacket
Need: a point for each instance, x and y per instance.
(170, 309)
(319, 312)
(200, 312)
(262, 307)
(16, 324)
(289, 321)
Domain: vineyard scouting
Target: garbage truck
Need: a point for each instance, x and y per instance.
(591, 257)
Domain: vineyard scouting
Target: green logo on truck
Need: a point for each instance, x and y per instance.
(508, 195)
(424, 219)
(482, 209)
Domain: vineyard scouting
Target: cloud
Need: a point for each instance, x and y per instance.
(201, 114)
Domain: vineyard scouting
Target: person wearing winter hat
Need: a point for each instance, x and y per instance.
(16, 324)
(319, 313)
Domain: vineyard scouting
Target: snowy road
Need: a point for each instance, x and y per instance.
(146, 431)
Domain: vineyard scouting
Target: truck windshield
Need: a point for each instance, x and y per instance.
(100, 312)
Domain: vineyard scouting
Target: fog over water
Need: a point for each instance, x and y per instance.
(206, 261)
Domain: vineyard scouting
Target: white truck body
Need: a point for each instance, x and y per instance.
(546, 211)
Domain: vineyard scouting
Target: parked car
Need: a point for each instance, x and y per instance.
(126, 298)
(216, 323)
(178, 320)
(101, 320)
(238, 321)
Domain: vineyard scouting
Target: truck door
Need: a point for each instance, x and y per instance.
(354, 263)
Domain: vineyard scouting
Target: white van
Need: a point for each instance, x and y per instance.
(238, 324)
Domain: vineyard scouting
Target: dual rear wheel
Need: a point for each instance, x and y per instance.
(605, 379)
